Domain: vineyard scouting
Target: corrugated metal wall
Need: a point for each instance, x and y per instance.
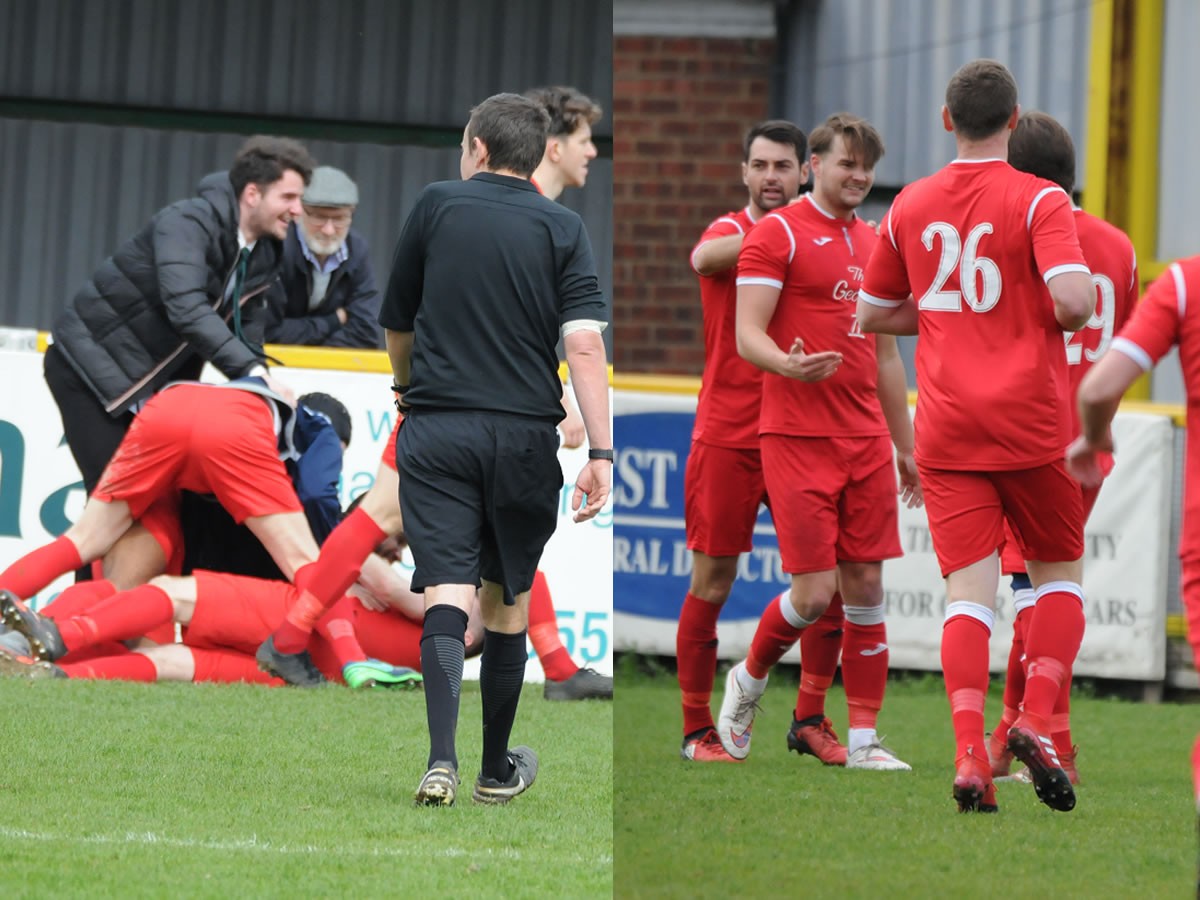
(1178, 190)
(413, 61)
(890, 62)
(74, 190)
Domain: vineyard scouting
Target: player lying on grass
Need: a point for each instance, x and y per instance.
(368, 638)
(229, 440)
(378, 515)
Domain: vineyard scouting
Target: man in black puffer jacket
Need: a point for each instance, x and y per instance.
(163, 304)
(160, 306)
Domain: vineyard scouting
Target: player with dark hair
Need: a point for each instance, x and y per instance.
(723, 482)
(1041, 146)
(983, 262)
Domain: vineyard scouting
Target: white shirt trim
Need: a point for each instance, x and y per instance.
(787, 228)
(1180, 289)
(977, 161)
(1133, 270)
(1062, 270)
(769, 282)
(734, 222)
(879, 301)
(1133, 351)
(583, 325)
(1038, 199)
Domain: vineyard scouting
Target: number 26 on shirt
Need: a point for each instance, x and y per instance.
(974, 271)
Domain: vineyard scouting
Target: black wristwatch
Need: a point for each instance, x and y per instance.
(600, 454)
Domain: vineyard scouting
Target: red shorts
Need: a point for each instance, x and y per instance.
(204, 439)
(723, 488)
(1011, 560)
(389, 450)
(967, 511)
(236, 612)
(834, 500)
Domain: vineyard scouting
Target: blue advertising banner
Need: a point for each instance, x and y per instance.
(651, 562)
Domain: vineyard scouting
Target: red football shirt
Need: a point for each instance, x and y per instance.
(1169, 314)
(817, 262)
(975, 244)
(731, 388)
(1110, 256)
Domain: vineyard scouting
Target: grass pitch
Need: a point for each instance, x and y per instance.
(128, 790)
(782, 825)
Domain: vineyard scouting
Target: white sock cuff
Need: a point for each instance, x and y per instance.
(976, 611)
(1023, 599)
(864, 615)
(1060, 587)
(790, 615)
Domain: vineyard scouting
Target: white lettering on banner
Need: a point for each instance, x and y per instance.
(41, 495)
(634, 466)
(1125, 572)
(639, 557)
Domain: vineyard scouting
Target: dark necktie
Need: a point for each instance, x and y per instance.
(239, 280)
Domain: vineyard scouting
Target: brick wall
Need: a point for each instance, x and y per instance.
(680, 108)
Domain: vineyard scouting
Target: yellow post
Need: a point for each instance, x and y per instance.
(1100, 75)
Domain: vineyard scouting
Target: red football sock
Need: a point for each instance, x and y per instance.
(696, 656)
(35, 570)
(543, 632)
(965, 668)
(122, 616)
(773, 638)
(864, 671)
(322, 584)
(1014, 678)
(78, 598)
(129, 667)
(1051, 644)
(1196, 770)
(820, 648)
(337, 627)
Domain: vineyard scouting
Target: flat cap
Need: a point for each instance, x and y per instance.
(330, 187)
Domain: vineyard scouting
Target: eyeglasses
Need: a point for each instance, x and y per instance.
(338, 220)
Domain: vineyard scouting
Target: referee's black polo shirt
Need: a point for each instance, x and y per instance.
(485, 273)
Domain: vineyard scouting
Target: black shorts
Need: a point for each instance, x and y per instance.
(479, 494)
(92, 434)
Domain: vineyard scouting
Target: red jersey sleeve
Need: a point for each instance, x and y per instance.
(766, 253)
(722, 227)
(1154, 326)
(885, 282)
(1051, 224)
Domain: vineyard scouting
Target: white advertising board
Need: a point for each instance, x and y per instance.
(1125, 567)
(41, 494)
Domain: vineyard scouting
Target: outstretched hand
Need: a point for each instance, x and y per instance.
(1084, 462)
(593, 485)
(910, 485)
(810, 366)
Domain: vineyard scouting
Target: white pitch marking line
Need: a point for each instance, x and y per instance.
(253, 843)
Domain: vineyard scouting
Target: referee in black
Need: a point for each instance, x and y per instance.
(487, 276)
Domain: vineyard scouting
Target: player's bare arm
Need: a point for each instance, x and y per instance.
(892, 390)
(1098, 397)
(755, 306)
(718, 255)
(589, 376)
(1074, 299)
(874, 318)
